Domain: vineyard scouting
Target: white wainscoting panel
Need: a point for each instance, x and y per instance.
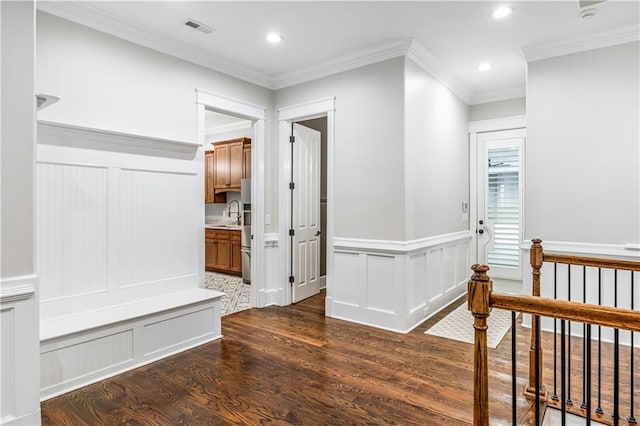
(72, 229)
(71, 360)
(19, 351)
(117, 218)
(7, 355)
(397, 285)
(120, 221)
(380, 284)
(161, 335)
(273, 292)
(155, 224)
(349, 277)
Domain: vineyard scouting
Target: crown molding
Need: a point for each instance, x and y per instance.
(367, 56)
(498, 94)
(552, 49)
(84, 13)
(88, 15)
(425, 60)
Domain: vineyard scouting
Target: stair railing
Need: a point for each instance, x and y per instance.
(481, 299)
(583, 267)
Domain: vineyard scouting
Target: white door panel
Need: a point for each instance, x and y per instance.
(306, 213)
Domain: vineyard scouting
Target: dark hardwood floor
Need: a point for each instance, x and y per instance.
(291, 365)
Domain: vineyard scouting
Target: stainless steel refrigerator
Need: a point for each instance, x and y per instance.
(245, 201)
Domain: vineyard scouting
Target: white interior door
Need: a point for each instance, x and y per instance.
(305, 241)
(500, 202)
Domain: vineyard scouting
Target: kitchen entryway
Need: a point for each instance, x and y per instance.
(228, 238)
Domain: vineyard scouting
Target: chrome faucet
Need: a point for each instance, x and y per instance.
(237, 210)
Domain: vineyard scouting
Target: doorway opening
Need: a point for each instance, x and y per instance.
(308, 200)
(207, 103)
(227, 209)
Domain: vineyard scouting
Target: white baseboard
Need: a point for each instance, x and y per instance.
(31, 419)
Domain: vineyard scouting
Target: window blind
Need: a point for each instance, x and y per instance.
(503, 206)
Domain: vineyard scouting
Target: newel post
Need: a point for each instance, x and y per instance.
(536, 264)
(478, 297)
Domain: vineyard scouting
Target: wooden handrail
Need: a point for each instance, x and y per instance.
(481, 300)
(621, 318)
(625, 265)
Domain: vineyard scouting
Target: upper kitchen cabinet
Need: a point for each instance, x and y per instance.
(229, 163)
(210, 196)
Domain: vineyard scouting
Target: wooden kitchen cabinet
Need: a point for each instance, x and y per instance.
(222, 251)
(229, 167)
(210, 196)
(210, 251)
(225, 167)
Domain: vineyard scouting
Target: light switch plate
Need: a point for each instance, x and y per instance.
(267, 219)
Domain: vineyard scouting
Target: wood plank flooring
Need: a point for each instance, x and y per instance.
(292, 365)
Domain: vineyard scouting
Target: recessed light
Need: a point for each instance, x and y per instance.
(502, 12)
(274, 38)
(485, 66)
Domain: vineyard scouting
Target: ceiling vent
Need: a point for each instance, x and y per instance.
(198, 26)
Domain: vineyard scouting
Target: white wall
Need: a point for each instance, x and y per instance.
(369, 153)
(436, 156)
(107, 83)
(498, 109)
(583, 150)
(20, 367)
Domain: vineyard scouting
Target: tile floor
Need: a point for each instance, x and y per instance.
(236, 296)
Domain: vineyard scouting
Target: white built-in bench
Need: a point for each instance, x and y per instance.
(84, 347)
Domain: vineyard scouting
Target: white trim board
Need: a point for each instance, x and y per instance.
(496, 124)
(552, 49)
(71, 135)
(628, 251)
(17, 288)
(397, 247)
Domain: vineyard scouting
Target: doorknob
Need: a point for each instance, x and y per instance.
(318, 233)
(480, 231)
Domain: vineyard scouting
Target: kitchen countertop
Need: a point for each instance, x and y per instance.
(222, 226)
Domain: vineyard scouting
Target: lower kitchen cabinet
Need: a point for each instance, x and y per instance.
(222, 251)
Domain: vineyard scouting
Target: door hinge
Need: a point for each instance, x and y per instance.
(291, 280)
(292, 139)
(292, 232)
(292, 185)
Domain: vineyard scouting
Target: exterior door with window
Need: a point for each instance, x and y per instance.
(500, 203)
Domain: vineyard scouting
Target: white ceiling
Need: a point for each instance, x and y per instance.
(459, 35)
